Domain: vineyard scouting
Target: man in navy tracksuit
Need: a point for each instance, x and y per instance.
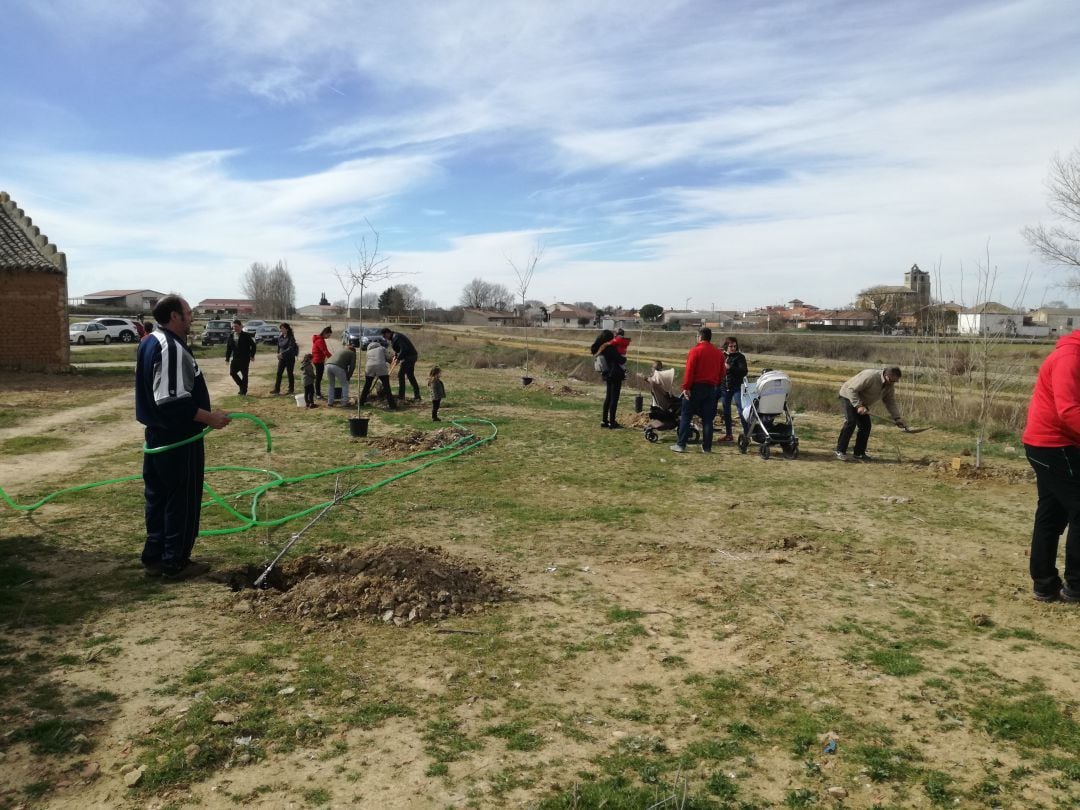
(172, 401)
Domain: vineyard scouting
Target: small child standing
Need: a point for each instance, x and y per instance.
(438, 392)
(307, 369)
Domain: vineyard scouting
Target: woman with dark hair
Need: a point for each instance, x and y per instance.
(286, 356)
(610, 365)
(320, 353)
(731, 386)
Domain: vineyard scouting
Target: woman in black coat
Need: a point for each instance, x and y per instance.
(286, 356)
(610, 365)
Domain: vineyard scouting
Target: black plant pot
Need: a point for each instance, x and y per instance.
(358, 427)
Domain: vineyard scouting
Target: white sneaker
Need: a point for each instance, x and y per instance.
(841, 456)
(677, 448)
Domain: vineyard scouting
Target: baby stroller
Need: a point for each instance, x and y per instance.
(666, 405)
(764, 402)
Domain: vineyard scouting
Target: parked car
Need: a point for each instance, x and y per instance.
(251, 327)
(266, 334)
(361, 336)
(89, 332)
(122, 329)
(216, 332)
(372, 334)
(351, 334)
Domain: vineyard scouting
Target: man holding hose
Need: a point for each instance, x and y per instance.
(172, 401)
(856, 397)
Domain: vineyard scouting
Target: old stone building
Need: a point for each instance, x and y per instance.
(33, 295)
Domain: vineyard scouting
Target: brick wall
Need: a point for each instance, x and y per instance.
(33, 321)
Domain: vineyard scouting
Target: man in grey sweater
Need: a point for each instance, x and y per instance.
(339, 369)
(856, 397)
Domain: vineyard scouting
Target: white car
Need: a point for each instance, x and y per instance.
(88, 332)
(251, 327)
(122, 329)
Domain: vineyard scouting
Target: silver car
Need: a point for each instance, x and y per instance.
(88, 332)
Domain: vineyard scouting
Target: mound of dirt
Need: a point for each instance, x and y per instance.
(416, 440)
(563, 390)
(395, 584)
(969, 472)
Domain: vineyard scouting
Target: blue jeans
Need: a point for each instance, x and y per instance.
(335, 376)
(702, 403)
(726, 398)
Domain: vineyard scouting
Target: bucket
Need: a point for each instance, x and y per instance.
(526, 380)
(639, 403)
(358, 427)
(337, 395)
(300, 401)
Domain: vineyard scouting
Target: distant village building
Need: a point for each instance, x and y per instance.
(994, 319)
(562, 315)
(1059, 320)
(136, 301)
(480, 317)
(225, 306)
(33, 295)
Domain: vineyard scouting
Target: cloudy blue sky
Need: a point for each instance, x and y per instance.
(727, 154)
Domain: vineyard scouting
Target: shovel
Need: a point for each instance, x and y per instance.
(904, 429)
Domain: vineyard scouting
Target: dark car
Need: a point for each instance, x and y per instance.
(372, 334)
(267, 334)
(351, 334)
(216, 332)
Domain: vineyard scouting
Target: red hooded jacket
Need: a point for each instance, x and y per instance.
(1053, 418)
(320, 352)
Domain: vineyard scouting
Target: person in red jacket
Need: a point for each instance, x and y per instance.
(320, 353)
(704, 371)
(1052, 445)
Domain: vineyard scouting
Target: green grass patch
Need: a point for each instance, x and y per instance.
(25, 445)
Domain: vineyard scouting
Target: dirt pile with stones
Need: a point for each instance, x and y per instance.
(416, 441)
(394, 584)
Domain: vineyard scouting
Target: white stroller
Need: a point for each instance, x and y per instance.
(764, 401)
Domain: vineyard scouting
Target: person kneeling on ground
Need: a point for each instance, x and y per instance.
(856, 397)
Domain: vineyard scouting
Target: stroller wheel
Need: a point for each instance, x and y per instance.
(791, 450)
(764, 449)
(651, 435)
(743, 443)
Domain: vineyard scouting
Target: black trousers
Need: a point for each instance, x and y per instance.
(1057, 481)
(611, 397)
(319, 368)
(282, 367)
(385, 380)
(239, 373)
(172, 484)
(435, 403)
(406, 368)
(853, 420)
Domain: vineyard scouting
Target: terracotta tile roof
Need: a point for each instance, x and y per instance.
(22, 244)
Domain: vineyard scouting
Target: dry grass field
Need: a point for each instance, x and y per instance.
(557, 616)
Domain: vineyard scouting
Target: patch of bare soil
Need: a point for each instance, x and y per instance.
(417, 440)
(563, 390)
(969, 472)
(394, 584)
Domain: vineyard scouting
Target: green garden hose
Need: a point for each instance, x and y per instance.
(251, 520)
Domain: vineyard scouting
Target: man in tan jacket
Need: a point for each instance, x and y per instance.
(856, 397)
